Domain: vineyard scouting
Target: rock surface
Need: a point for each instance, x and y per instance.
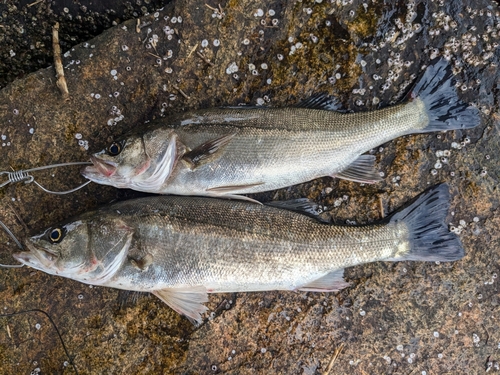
(394, 318)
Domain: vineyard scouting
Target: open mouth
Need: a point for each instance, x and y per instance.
(99, 167)
(28, 258)
(39, 259)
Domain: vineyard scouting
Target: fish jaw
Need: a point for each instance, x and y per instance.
(100, 170)
(105, 172)
(38, 259)
(106, 168)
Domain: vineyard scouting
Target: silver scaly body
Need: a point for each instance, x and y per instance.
(182, 248)
(226, 152)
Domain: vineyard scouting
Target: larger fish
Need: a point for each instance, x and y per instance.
(182, 248)
(231, 151)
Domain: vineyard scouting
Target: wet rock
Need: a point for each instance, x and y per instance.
(395, 317)
(26, 29)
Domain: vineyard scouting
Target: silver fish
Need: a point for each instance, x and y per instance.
(181, 248)
(225, 152)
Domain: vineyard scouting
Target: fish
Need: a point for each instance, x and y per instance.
(182, 248)
(227, 152)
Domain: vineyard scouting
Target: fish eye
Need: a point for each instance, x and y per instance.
(56, 235)
(114, 149)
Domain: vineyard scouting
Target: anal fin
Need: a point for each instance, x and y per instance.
(361, 170)
(233, 191)
(187, 301)
(331, 282)
(200, 154)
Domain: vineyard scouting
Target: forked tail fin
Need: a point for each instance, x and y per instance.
(430, 239)
(445, 110)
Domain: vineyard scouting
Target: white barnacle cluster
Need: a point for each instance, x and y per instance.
(338, 201)
(218, 13)
(405, 29)
(411, 358)
(169, 32)
(462, 224)
(295, 46)
(475, 339)
(261, 101)
(4, 140)
(492, 280)
(476, 46)
(83, 143)
(116, 114)
(232, 68)
(396, 66)
(442, 157)
(396, 180)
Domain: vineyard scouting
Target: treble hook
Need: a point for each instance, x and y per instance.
(23, 175)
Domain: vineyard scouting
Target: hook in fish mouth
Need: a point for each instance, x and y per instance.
(100, 167)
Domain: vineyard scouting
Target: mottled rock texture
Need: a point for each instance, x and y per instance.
(395, 318)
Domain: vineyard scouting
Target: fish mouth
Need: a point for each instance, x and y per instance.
(34, 258)
(99, 169)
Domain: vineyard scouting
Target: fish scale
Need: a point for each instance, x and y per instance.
(181, 248)
(226, 152)
(262, 145)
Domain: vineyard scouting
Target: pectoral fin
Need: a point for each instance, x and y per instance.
(187, 301)
(361, 170)
(331, 282)
(143, 263)
(200, 154)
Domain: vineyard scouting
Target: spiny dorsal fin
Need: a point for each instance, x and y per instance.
(331, 282)
(204, 151)
(301, 205)
(321, 101)
(187, 301)
(361, 170)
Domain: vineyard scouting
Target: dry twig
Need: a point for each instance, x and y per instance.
(186, 96)
(334, 358)
(61, 81)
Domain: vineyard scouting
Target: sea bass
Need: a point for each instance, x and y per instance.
(225, 152)
(181, 248)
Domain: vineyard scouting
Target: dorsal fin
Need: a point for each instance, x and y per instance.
(301, 205)
(321, 101)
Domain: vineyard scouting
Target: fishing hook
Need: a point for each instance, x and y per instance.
(24, 175)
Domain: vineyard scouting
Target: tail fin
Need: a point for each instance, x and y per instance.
(445, 110)
(430, 239)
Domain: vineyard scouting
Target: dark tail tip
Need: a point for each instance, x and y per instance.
(445, 110)
(430, 239)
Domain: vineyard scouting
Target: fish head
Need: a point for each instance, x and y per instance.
(87, 250)
(139, 162)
